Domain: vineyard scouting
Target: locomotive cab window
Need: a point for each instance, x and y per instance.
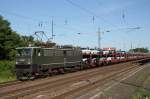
(24, 52)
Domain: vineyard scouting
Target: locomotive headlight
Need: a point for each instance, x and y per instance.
(29, 61)
(16, 62)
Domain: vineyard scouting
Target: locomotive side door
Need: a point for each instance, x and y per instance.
(37, 58)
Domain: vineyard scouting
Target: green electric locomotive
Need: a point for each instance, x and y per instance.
(35, 61)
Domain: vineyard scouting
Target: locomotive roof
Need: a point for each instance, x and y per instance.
(48, 48)
(60, 48)
(26, 47)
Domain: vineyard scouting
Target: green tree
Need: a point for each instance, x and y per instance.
(9, 40)
(142, 50)
(26, 40)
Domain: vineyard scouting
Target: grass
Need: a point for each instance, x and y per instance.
(7, 71)
(141, 94)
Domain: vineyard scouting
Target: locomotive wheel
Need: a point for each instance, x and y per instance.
(19, 78)
(30, 76)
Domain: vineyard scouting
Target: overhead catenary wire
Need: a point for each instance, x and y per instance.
(99, 2)
(40, 24)
(18, 15)
(89, 12)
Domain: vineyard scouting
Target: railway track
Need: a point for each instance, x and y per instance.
(90, 86)
(45, 85)
(99, 90)
(9, 83)
(61, 94)
(14, 82)
(86, 88)
(56, 84)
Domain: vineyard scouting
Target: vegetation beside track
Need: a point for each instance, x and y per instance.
(141, 94)
(7, 71)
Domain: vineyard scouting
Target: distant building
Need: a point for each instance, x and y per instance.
(109, 50)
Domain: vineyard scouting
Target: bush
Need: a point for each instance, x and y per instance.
(141, 94)
(7, 70)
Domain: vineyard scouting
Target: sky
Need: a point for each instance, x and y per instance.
(76, 22)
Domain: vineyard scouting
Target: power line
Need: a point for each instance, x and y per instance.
(82, 8)
(18, 15)
(98, 2)
(40, 24)
(87, 11)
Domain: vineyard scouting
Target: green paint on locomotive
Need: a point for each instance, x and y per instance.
(31, 60)
(48, 56)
